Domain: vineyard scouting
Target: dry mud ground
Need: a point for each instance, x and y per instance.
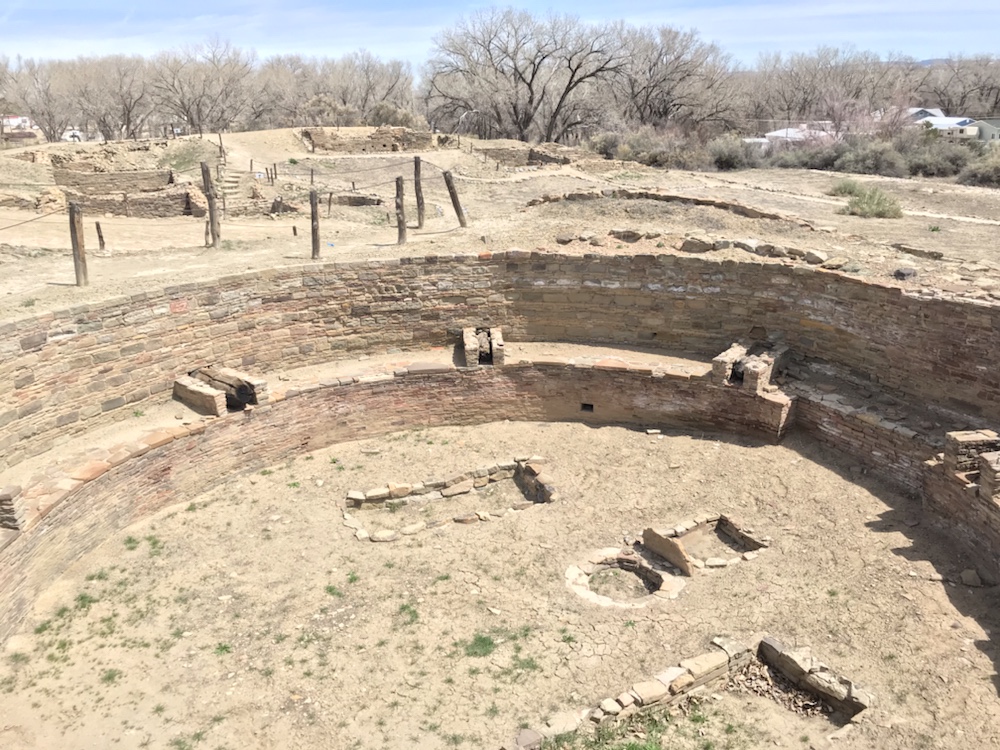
(251, 617)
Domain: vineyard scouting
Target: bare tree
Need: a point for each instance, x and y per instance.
(208, 86)
(671, 75)
(114, 94)
(521, 74)
(44, 89)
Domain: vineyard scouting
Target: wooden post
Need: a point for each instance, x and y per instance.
(418, 190)
(100, 236)
(314, 211)
(274, 171)
(213, 210)
(128, 211)
(222, 151)
(76, 237)
(353, 189)
(208, 235)
(295, 231)
(312, 176)
(329, 205)
(223, 205)
(251, 166)
(218, 171)
(281, 206)
(450, 182)
(400, 213)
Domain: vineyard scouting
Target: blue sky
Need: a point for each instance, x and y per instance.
(395, 28)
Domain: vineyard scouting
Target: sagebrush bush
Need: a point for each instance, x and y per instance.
(653, 149)
(984, 172)
(874, 204)
(730, 152)
(606, 144)
(872, 157)
(847, 187)
(806, 155)
(939, 159)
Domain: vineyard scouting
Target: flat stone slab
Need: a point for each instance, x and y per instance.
(650, 691)
(385, 535)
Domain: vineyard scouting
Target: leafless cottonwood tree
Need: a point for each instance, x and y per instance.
(114, 94)
(208, 86)
(45, 90)
(522, 76)
(672, 76)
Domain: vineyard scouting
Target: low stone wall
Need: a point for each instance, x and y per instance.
(165, 203)
(103, 183)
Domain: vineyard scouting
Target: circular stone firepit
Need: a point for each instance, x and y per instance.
(657, 582)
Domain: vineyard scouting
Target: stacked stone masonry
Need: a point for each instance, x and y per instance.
(71, 370)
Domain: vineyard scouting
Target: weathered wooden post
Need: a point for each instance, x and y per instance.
(213, 211)
(100, 236)
(312, 176)
(76, 238)
(329, 205)
(418, 190)
(449, 181)
(314, 210)
(400, 213)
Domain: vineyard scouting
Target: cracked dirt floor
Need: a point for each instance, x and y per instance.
(251, 617)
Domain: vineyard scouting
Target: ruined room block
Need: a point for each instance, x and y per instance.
(989, 469)
(496, 346)
(240, 388)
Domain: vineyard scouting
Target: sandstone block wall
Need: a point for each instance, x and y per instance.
(73, 368)
(102, 183)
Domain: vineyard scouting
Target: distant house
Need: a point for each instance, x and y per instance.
(989, 130)
(952, 128)
(920, 113)
(800, 134)
(16, 122)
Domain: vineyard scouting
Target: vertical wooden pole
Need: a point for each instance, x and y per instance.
(128, 211)
(218, 171)
(222, 151)
(274, 171)
(76, 238)
(208, 234)
(213, 211)
(251, 166)
(312, 176)
(400, 213)
(418, 190)
(314, 211)
(295, 231)
(450, 182)
(100, 236)
(329, 205)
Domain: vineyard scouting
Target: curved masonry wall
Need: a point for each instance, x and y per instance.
(66, 520)
(73, 369)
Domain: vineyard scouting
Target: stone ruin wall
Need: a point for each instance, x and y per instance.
(148, 195)
(75, 369)
(383, 140)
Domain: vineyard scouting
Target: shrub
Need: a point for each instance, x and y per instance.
(847, 187)
(807, 155)
(730, 152)
(872, 157)
(939, 159)
(606, 144)
(984, 172)
(874, 204)
(653, 149)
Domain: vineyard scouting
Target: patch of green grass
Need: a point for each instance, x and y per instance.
(294, 485)
(131, 543)
(30, 302)
(334, 591)
(935, 228)
(17, 658)
(138, 413)
(480, 645)
(110, 676)
(223, 648)
(101, 575)
(159, 708)
(443, 577)
(409, 614)
(84, 600)
(155, 546)
(42, 627)
(353, 577)
(266, 472)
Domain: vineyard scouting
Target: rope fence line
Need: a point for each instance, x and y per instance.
(29, 221)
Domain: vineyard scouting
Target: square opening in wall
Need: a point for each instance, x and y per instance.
(587, 407)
